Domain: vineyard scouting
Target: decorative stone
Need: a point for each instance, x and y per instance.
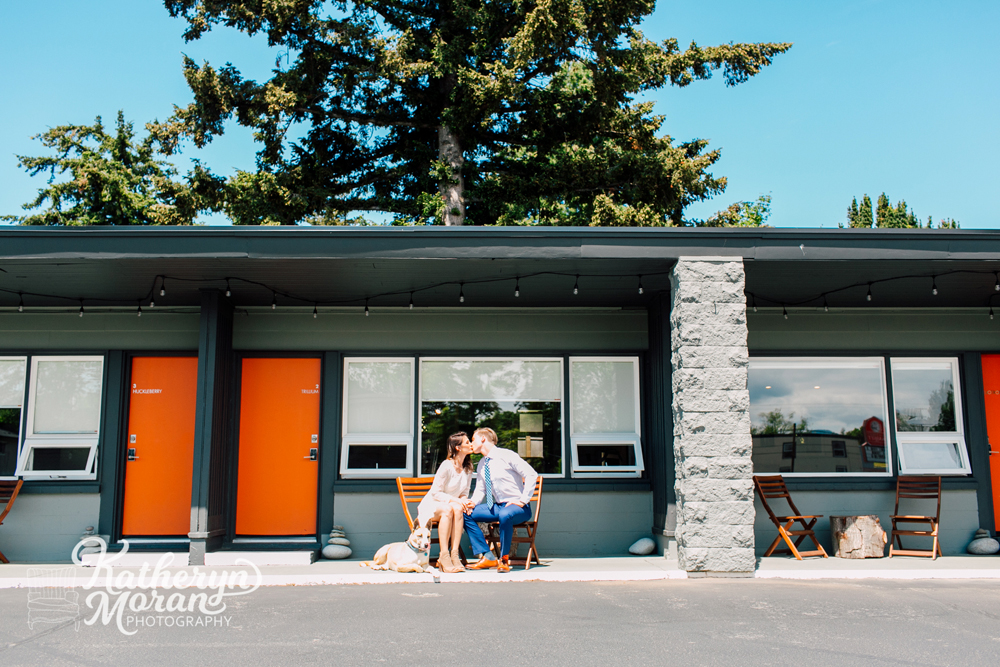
(340, 528)
(643, 547)
(982, 544)
(342, 541)
(336, 552)
(857, 536)
(337, 533)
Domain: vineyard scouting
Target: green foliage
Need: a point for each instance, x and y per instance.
(888, 216)
(775, 423)
(742, 214)
(102, 178)
(539, 99)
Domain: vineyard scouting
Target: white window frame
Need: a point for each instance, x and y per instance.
(634, 439)
(361, 439)
(837, 362)
(34, 441)
(904, 438)
(562, 406)
(21, 407)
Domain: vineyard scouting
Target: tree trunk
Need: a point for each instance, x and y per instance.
(857, 536)
(452, 190)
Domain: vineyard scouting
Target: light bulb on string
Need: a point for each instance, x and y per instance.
(163, 287)
(869, 295)
(991, 312)
(996, 287)
(274, 300)
(753, 302)
(783, 311)
(461, 293)
(576, 286)
(517, 287)
(366, 307)
(411, 300)
(229, 292)
(138, 310)
(826, 306)
(315, 312)
(640, 284)
(81, 307)
(934, 285)
(20, 303)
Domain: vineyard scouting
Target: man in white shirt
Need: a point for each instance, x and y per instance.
(504, 485)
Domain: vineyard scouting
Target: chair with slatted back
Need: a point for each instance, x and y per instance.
(530, 528)
(8, 494)
(916, 489)
(411, 491)
(773, 488)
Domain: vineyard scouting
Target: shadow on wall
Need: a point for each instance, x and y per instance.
(959, 517)
(44, 527)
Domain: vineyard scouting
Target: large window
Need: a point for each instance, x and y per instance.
(12, 373)
(378, 417)
(64, 416)
(928, 410)
(604, 413)
(520, 399)
(819, 416)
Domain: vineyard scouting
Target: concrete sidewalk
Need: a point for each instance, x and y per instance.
(634, 568)
(897, 567)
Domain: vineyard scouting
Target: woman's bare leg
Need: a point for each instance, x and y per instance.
(458, 523)
(445, 529)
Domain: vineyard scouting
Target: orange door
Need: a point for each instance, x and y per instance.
(279, 445)
(160, 446)
(991, 387)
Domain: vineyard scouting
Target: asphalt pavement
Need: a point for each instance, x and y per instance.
(682, 622)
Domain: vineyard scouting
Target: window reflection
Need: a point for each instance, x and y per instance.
(924, 399)
(10, 429)
(818, 416)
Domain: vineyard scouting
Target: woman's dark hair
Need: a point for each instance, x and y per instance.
(455, 441)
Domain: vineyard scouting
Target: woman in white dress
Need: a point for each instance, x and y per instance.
(446, 501)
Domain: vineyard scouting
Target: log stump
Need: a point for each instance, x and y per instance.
(857, 536)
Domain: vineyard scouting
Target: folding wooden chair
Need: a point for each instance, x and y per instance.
(917, 488)
(530, 528)
(411, 491)
(8, 494)
(773, 488)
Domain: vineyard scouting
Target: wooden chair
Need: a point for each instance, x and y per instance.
(8, 494)
(411, 491)
(530, 528)
(773, 488)
(916, 488)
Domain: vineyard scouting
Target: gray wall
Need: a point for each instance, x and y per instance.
(959, 516)
(44, 528)
(155, 330)
(444, 329)
(578, 523)
(946, 329)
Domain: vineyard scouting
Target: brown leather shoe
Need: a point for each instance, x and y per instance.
(483, 563)
(504, 565)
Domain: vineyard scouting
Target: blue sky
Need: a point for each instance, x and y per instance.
(876, 95)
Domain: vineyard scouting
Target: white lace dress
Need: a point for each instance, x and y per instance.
(448, 485)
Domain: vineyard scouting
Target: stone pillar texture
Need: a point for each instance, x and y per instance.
(712, 445)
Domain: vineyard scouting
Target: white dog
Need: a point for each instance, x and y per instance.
(413, 555)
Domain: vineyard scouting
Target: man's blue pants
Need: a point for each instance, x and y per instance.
(508, 515)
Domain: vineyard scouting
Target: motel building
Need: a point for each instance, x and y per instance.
(245, 389)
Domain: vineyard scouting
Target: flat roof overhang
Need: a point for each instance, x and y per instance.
(342, 266)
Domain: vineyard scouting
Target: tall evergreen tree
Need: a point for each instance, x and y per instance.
(454, 111)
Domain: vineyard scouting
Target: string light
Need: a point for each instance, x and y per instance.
(753, 302)
(461, 293)
(163, 286)
(138, 310)
(991, 312)
(366, 307)
(826, 306)
(934, 285)
(869, 296)
(81, 307)
(274, 300)
(229, 292)
(411, 300)
(20, 303)
(576, 286)
(783, 311)
(315, 312)
(640, 284)
(517, 287)
(152, 304)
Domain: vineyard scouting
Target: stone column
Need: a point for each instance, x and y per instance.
(712, 446)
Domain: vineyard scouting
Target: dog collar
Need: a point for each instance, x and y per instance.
(415, 550)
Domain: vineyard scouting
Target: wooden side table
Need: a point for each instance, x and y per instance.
(857, 536)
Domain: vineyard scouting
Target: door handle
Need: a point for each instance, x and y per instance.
(131, 454)
(993, 451)
(313, 454)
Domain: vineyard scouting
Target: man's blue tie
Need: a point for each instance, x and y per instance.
(489, 483)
